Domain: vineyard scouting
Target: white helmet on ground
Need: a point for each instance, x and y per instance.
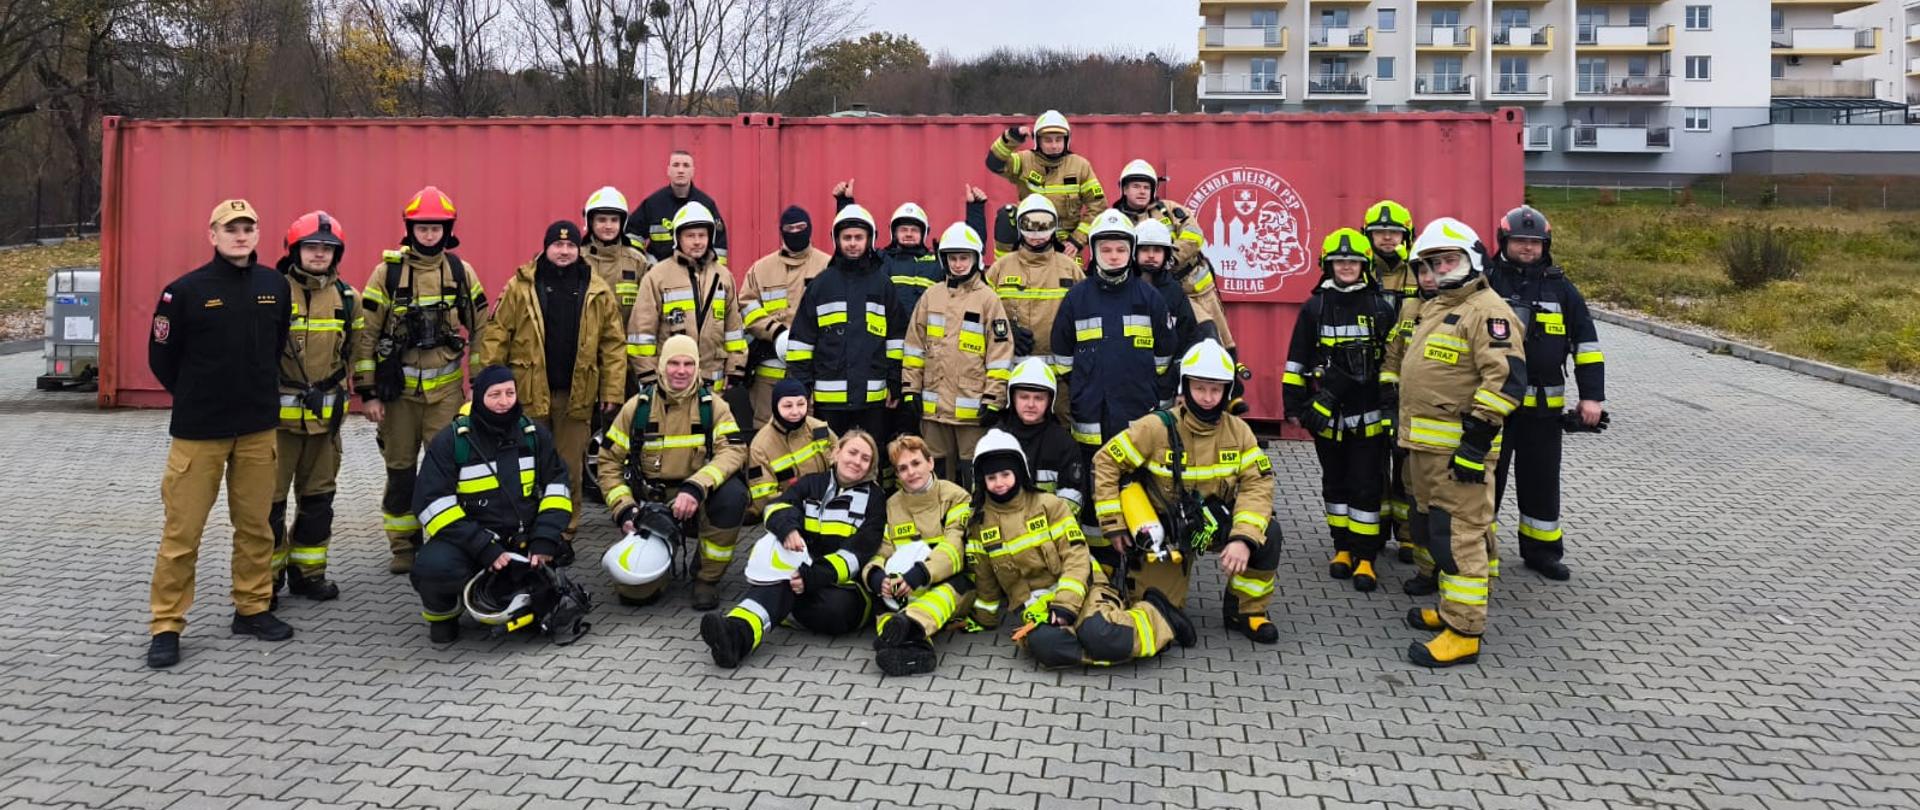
(853, 215)
(771, 562)
(640, 558)
(495, 597)
(1207, 360)
(607, 199)
(1034, 373)
(905, 557)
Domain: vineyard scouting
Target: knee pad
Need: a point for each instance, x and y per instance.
(726, 505)
(1053, 646)
(1105, 641)
(314, 522)
(1267, 556)
(399, 496)
(1440, 540)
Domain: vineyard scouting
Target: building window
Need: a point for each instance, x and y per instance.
(1699, 119)
(1638, 16)
(1383, 68)
(1779, 21)
(1779, 68)
(1514, 77)
(1389, 19)
(1265, 75)
(1446, 18)
(1699, 67)
(1699, 18)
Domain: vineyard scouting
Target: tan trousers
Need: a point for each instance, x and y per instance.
(951, 443)
(1459, 520)
(309, 463)
(760, 393)
(410, 423)
(188, 491)
(570, 441)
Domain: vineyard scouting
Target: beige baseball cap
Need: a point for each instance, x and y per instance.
(231, 210)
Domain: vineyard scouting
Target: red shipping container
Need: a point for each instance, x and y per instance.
(1265, 189)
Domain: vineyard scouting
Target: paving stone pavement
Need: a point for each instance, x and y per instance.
(1740, 633)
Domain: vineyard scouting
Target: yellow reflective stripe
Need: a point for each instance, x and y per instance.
(618, 437)
(711, 472)
(1390, 377)
(1464, 590)
(1494, 402)
(959, 512)
(716, 553)
(1584, 358)
(762, 490)
(440, 521)
(1257, 522)
(440, 617)
(679, 441)
(1291, 378)
(1142, 630)
(1253, 457)
(482, 484)
(1126, 452)
(560, 502)
(753, 621)
(1106, 508)
(1072, 584)
(939, 602)
(1449, 341)
(1034, 538)
(1434, 432)
(309, 555)
(1254, 588)
(954, 554)
(614, 495)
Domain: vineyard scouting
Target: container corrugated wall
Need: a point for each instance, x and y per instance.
(1273, 186)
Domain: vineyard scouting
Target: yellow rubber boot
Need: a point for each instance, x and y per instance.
(1342, 565)
(1424, 619)
(1446, 650)
(1363, 578)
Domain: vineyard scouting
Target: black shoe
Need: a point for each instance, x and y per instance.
(565, 557)
(706, 596)
(317, 588)
(1551, 569)
(264, 626)
(916, 658)
(898, 631)
(728, 638)
(1342, 565)
(1256, 626)
(444, 632)
(164, 650)
(1420, 586)
(1405, 554)
(1184, 633)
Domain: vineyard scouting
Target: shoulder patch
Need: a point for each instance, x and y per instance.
(1451, 319)
(1498, 328)
(162, 328)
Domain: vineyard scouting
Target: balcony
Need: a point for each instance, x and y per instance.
(1446, 39)
(1835, 5)
(1331, 38)
(1539, 138)
(1913, 33)
(1243, 86)
(1520, 87)
(1824, 88)
(1622, 88)
(1443, 87)
(1836, 43)
(1344, 87)
(1913, 68)
(1522, 39)
(1220, 40)
(1219, 6)
(1624, 38)
(1630, 139)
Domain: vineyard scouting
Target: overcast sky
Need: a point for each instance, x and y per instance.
(967, 28)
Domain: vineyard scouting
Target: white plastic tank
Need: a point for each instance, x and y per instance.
(72, 343)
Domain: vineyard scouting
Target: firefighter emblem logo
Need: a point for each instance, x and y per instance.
(1256, 228)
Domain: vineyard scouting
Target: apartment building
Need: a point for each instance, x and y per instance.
(1610, 87)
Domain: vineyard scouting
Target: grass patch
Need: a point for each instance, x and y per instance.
(23, 273)
(1855, 303)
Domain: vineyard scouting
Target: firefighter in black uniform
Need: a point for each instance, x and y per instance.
(1058, 465)
(1332, 389)
(492, 483)
(1558, 327)
(849, 335)
(652, 222)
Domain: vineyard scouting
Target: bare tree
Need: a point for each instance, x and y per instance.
(457, 45)
(775, 42)
(693, 45)
(593, 46)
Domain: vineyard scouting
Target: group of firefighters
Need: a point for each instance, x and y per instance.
(929, 435)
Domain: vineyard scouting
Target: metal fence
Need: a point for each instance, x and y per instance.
(1740, 192)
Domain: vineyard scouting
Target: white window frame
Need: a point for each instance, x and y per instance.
(1702, 13)
(1705, 73)
(1697, 119)
(1386, 68)
(1388, 20)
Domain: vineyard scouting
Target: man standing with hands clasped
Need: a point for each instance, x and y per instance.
(215, 344)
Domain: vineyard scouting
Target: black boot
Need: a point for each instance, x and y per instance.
(1420, 586)
(1184, 633)
(163, 651)
(264, 626)
(902, 648)
(1405, 553)
(1551, 569)
(728, 638)
(443, 632)
(316, 588)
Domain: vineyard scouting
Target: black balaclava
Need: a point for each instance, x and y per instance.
(781, 390)
(1207, 415)
(1002, 461)
(496, 423)
(795, 243)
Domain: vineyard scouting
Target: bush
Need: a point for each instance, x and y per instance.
(1686, 197)
(1608, 197)
(1754, 255)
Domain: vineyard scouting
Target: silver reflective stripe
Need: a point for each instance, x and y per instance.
(915, 351)
(1295, 368)
(1087, 323)
(967, 402)
(641, 339)
(1046, 476)
(675, 296)
(830, 308)
(830, 385)
(970, 326)
(1358, 516)
(877, 309)
(774, 294)
(930, 396)
(1350, 330)
(1136, 320)
(756, 609)
(936, 319)
(1000, 365)
(1547, 306)
(1591, 346)
(1536, 523)
(1336, 508)
(876, 385)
